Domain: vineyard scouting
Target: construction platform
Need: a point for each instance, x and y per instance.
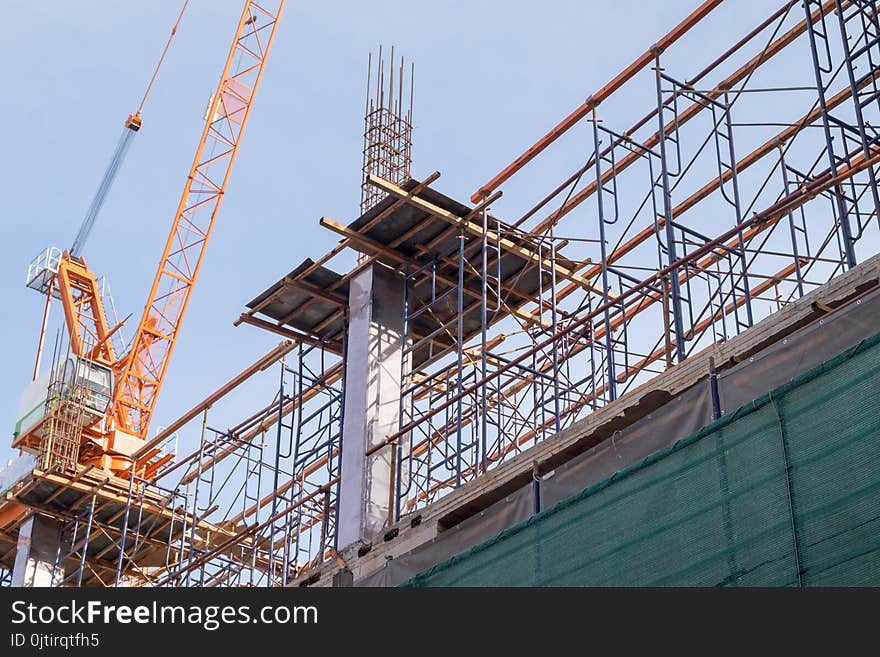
(418, 229)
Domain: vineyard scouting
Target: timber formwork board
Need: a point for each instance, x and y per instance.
(438, 242)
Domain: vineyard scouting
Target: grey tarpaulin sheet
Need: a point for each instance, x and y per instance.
(496, 518)
(682, 416)
(679, 417)
(685, 414)
(787, 359)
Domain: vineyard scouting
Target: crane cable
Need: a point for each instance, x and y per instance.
(162, 58)
(132, 125)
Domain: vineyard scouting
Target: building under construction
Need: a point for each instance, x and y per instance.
(663, 373)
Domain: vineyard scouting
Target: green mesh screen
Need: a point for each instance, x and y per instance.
(784, 492)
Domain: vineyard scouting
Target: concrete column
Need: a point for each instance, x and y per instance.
(39, 541)
(372, 402)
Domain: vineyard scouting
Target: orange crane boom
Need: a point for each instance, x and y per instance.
(142, 371)
(109, 432)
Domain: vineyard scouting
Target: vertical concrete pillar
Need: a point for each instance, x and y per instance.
(39, 541)
(372, 402)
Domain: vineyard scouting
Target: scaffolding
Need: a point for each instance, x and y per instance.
(744, 186)
(644, 282)
(253, 505)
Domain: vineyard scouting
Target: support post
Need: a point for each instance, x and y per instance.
(372, 402)
(672, 256)
(39, 543)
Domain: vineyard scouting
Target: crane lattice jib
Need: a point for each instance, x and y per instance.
(140, 376)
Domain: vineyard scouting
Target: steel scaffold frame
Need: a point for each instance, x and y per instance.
(481, 406)
(254, 505)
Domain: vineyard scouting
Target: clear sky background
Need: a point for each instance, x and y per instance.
(491, 77)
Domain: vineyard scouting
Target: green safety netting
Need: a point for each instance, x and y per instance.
(783, 492)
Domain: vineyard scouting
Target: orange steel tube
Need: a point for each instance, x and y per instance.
(593, 101)
(270, 358)
(653, 113)
(690, 202)
(690, 112)
(161, 58)
(785, 205)
(642, 303)
(762, 151)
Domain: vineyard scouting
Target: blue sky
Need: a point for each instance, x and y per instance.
(491, 77)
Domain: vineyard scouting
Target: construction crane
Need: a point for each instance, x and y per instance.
(101, 398)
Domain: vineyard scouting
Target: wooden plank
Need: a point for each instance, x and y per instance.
(477, 230)
(372, 245)
(327, 295)
(333, 346)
